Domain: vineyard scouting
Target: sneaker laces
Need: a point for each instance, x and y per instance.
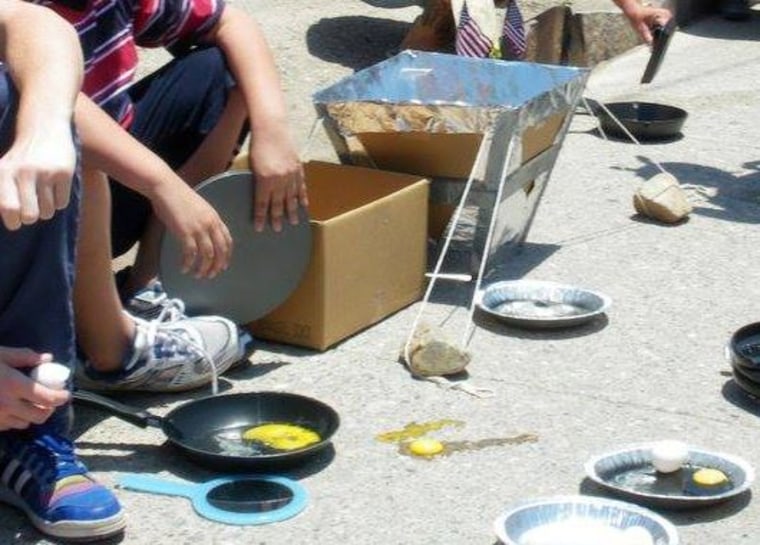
(153, 303)
(54, 458)
(162, 342)
(172, 309)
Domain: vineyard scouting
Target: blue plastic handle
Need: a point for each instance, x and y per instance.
(143, 483)
(198, 494)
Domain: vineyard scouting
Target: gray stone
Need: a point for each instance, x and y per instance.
(546, 36)
(599, 36)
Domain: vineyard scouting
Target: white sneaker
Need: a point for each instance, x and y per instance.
(172, 356)
(153, 303)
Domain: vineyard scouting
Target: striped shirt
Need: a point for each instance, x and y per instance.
(110, 32)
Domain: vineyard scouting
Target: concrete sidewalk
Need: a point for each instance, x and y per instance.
(654, 369)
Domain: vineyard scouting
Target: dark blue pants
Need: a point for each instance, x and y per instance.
(37, 266)
(175, 109)
(37, 271)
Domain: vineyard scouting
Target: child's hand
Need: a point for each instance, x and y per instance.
(35, 176)
(22, 401)
(205, 239)
(280, 184)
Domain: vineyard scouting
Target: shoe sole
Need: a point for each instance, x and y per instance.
(68, 529)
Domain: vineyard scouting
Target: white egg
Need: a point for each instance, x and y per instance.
(669, 456)
(51, 374)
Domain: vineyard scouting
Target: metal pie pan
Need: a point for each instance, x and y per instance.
(513, 526)
(607, 469)
(541, 304)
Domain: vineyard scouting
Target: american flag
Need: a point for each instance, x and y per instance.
(513, 33)
(471, 41)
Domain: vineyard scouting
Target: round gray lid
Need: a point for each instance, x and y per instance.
(266, 267)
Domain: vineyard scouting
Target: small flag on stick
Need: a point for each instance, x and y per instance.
(471, 41)
(513, 33)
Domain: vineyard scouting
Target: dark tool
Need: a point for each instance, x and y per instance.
(661, 40)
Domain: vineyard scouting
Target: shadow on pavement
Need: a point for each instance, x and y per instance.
(739, 398)
(17, 531)
(730, 197)
(682, 517)
(642, 142)
(355, 41)
(512, 262)
(494, 326)
(721, 29)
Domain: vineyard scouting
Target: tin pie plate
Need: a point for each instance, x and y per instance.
(586, 520)
(541, 304)
(629, 474)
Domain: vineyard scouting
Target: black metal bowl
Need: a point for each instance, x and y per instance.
(747, 385)
(744, 349)
(746, 374)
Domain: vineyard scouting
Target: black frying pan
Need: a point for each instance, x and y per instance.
(205, 429)
(644, 120)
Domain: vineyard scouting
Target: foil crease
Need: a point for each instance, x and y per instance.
(441, 93)
(355, 118)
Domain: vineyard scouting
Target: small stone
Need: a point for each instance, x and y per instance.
(663, 199)
(431, 354)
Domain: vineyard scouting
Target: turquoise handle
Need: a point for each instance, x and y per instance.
(143, 483)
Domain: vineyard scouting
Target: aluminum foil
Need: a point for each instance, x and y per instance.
(541, 304)
(585, 513)
(444, 94)
(603, 470)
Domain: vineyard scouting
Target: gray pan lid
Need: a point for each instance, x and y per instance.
(265, 268)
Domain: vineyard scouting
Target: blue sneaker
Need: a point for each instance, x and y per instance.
(40, 475)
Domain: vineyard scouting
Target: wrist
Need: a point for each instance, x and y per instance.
(35, 121)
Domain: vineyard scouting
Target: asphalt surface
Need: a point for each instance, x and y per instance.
(653, 369)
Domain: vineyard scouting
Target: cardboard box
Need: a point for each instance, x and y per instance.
(368, 256)
(448, 156)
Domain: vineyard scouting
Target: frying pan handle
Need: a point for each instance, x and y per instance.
(146, 483)
(129, 414)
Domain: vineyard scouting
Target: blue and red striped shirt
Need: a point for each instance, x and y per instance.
(110, 32)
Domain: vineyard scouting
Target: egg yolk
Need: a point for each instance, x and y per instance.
(709, 477)
(425, 447)
(281, 436)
